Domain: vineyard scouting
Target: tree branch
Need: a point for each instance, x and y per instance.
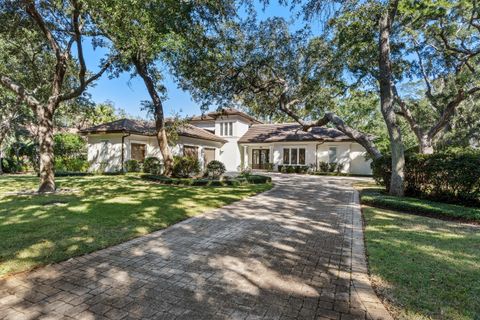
(85, 83)
(32, 11)
(363, 139)
(449, 111)
(20, 91)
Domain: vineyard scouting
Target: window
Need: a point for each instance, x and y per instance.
(137, 152)
(286, 156)
(190, 151)
(226, 129)
(332, 154)
(294, 156)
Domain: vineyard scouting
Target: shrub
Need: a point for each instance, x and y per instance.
(256, 179)
(215, 169)
(215, 183)
(10, 165)
(233, 182)
(72, 174)
(132, 165)
(71, 165)
(152, 165)
(323, 166)
(450, 176)
(200, 182)
(184, 167)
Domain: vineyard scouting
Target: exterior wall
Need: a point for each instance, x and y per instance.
(230, 153)
(350, 154)
(105, 150)
(206, 124)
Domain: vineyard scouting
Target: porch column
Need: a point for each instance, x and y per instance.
(245, 157)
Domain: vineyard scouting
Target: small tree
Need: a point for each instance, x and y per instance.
(215, 169)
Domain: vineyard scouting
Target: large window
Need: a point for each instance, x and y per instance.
(294, 156)
(226, 129)
(332, 155)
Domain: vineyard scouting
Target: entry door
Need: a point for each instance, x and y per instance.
(209, 154)
(260, 158)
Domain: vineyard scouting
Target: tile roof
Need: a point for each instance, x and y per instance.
(224, 112)
(147, 128)
(258, 133)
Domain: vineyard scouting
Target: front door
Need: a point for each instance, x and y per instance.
(260, 158)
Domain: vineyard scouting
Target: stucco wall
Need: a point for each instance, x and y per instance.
(229, 153)
(105, 150)
(350, 154)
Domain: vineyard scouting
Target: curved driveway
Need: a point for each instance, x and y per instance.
(294, 252)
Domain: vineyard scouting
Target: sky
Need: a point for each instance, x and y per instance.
(128, 93)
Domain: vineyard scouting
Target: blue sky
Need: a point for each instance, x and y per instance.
(127, 93)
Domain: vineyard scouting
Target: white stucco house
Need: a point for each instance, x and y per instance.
(230, 136)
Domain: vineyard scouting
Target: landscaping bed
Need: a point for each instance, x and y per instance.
(235, 182)
(376, 197)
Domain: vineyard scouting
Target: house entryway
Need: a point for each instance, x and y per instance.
(260, 158)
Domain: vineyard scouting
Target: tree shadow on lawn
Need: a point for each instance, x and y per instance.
(41, 229)
(273, 254)
(425, 267)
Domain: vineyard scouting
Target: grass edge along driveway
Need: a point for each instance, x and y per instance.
(101, 211)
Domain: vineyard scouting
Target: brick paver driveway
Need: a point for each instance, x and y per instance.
(295, 252)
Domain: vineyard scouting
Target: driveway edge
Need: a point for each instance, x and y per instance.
(362, 287)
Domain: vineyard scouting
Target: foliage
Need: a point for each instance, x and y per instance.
(106, 210)
(256, 178)
(10, 165)
(71, 165)
(152, 165)
(184, 167)
(215, 169)
(235, 182)
(450, 176)
(377, 198)
(132, 165)
(293, 169)
(424, 268)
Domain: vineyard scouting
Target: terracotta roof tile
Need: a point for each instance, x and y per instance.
(227, 111)
(148, 128)
(258, 133)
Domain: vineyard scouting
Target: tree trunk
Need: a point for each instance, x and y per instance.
(425, 144)
(45, 141)
(1, 155)
(158, 114)
(386, 101)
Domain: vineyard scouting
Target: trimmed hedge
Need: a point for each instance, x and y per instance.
(293, 169)
(449, 176)
(256, 178)
(377, 198)
(251, 179)
(72, 174)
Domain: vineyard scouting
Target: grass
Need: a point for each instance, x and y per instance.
(425, 268)
(105, 210)
(376, 197)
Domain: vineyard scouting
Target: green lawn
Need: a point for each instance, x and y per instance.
(426, 268)
(104, 210)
